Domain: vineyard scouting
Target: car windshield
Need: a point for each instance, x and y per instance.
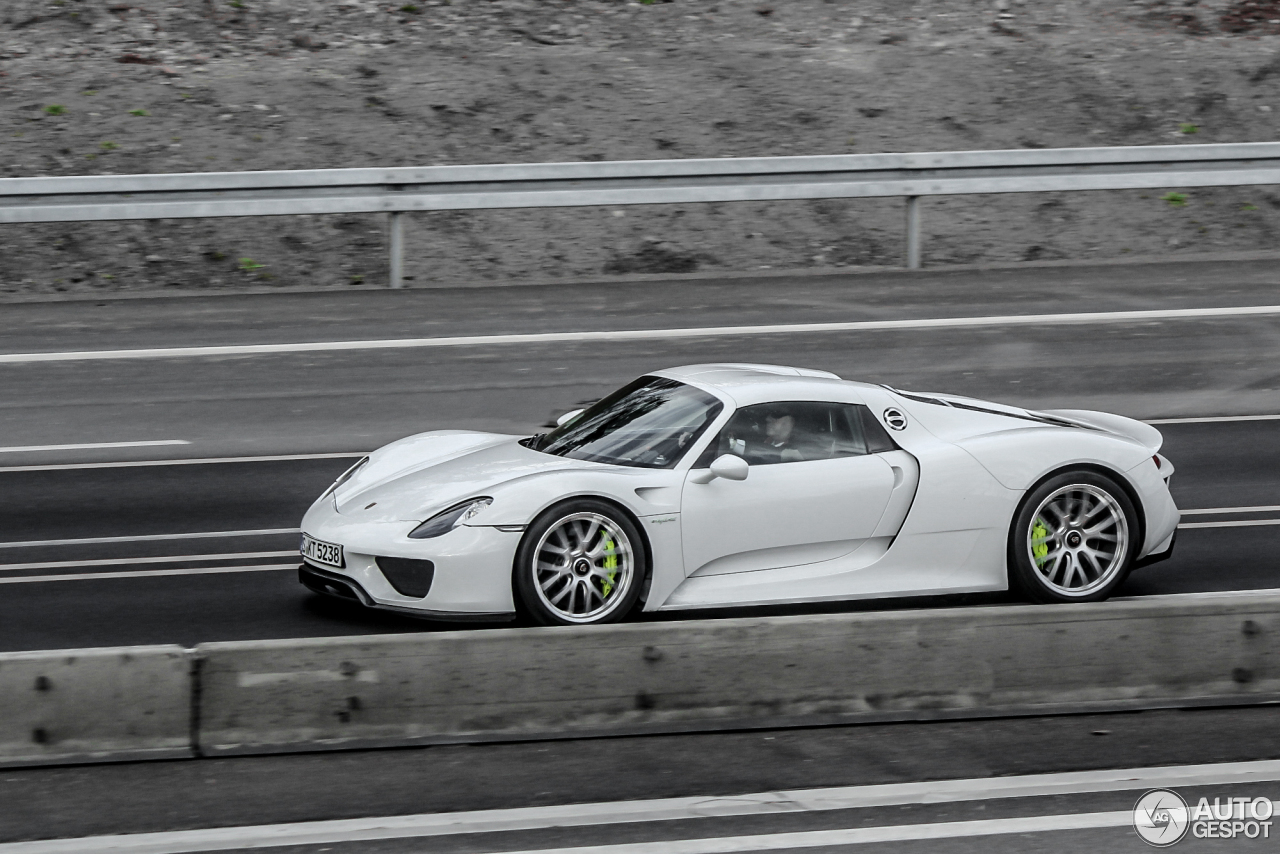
(649, 423)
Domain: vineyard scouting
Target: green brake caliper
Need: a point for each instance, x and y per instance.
(1039, 541)
(611, 564)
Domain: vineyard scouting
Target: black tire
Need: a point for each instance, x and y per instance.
(1085, 546)
(559, 581)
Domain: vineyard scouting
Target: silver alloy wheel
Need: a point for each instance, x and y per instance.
(1078, 539)
(583, 567)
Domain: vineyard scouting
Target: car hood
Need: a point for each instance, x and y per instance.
(415, 478)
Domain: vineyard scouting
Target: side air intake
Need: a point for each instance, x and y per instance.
(409, 577)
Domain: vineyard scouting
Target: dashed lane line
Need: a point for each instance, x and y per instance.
(91, 446)
(207, 461)
(272, 458)
(1232, 523)
(1213, 419)
(276, 532)
(1227, 511)
(145, 538)
(146, 573)
(129, 561)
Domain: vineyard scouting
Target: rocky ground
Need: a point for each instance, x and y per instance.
(128, 86)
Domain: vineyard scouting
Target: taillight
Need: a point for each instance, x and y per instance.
(1157, 460)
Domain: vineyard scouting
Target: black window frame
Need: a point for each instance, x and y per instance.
(874, 436)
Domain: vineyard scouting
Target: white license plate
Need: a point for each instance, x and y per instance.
(319, 551)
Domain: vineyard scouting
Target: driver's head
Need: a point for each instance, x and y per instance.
(777, 427)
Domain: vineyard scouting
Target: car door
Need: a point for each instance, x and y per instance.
(812, 492)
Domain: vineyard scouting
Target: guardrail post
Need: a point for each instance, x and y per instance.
(397, 249)
(913, 232)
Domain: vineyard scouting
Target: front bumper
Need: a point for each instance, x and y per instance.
(472, 566)
(331, 584)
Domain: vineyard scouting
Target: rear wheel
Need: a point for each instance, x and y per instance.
(580, 563)
(1073, 539)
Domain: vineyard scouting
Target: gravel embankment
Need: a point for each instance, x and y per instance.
(129, 86)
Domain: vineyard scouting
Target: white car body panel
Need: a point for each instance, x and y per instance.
(930, 518)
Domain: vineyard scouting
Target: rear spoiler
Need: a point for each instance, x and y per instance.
(1142, 433)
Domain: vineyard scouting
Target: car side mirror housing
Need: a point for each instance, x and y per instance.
(568, 416)
(726, 466)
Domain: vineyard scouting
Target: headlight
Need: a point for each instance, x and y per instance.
(446, 521)
(346, 475)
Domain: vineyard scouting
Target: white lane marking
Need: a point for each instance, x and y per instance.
(1215, 419)
(1270, 508)
(274, 532)
(1234, 523)
(856, 835)
(145, 573)
(91, 446)
(665, 809)
(186, 462)
(649, 334)
(1209, 594)
(129, 561)
(143, 538)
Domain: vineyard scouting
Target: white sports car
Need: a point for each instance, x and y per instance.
(736, 485)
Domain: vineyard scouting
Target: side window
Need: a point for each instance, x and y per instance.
(790, 432)
(878, 438)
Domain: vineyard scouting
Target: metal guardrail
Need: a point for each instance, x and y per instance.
(398, 191)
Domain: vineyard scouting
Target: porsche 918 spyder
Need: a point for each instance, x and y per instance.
(739, 485)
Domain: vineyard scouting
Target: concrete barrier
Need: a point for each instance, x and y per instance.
(89, 705)
(897, 665)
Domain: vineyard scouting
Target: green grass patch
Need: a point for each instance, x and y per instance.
(108, 145)
(249, 265)
(1178, 200)
(56, 110)
(1187, 127)
(1248, 207)
(139, 112)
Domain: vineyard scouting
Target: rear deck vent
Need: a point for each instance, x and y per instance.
(409, 577)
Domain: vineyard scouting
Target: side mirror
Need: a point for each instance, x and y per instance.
(726, 466)
(730, 467)
(568, 416)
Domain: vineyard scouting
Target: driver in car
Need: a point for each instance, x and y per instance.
(778, 446)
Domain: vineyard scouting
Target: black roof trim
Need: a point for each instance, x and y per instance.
(955, 404)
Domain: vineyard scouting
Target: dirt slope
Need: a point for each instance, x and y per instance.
(127, 86)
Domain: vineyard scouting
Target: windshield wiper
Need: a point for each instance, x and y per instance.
(534, 442)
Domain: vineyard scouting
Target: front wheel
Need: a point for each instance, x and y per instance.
(580, 563)
(1073, 539)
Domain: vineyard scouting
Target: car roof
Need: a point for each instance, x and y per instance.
(745, 384)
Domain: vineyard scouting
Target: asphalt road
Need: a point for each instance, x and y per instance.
(166, 797)
(1219, 465)
(59, 482)
(349, 401)
(339, 401)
